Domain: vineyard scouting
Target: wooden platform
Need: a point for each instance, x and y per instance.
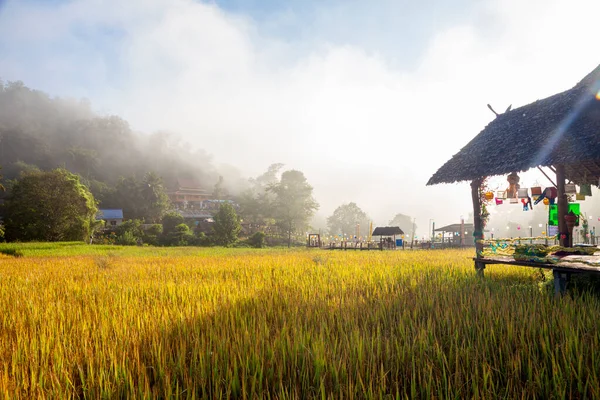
(572, 264)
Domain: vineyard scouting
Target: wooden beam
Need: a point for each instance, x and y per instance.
(588, 170)
(563, 207)
(477, 224)
(542, 171)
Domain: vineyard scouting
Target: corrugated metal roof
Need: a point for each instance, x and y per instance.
(110, 213)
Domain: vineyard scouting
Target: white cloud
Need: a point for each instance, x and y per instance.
(362, 129)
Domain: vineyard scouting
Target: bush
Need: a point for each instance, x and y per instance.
(171, 221)
(9, 251)
(126, 238)
(134, 226)
(257, 240)
(152, 233)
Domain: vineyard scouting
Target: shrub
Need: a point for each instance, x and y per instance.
(257, 240)
(126, 238)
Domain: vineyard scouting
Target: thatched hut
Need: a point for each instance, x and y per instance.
(561, 132)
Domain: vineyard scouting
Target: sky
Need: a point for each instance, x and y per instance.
(367, 98)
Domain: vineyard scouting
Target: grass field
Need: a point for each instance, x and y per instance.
(117, 322)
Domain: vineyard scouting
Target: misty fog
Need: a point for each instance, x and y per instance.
(368, 108)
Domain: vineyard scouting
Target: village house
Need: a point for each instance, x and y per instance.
(188, 195)
(110, 216)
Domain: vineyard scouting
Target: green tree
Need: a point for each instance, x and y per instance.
(170, 220)
(49, 206)
(404, 222)
(140, 199)
(227, 225)
(155, 201)
(256, 203)
(345, 219)
(294, 204)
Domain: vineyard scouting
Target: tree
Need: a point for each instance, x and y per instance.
(345, 219)
(227, 225)
(404, 222)
(155, 201)
(256, 203)
(140, 199)
(219, 191)
(294, 204)
(49, 206)
(170, 220)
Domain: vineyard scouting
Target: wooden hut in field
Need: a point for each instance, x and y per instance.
(387, 236)
(561, 132)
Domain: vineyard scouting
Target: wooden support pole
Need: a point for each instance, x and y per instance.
(563, 207)
(477, 224)
(561, 279)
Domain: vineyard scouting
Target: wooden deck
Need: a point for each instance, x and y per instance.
(572, 264)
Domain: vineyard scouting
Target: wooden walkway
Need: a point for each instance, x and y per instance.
(562, 270)
(573, 264)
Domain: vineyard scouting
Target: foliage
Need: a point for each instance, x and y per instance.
(181, 236)
(43, 132)
(404, 222)
(126, 238)
(51, 206)
(129, 233)
(257, 203)
(151, 234)
(294, 204)
(170, 221)
(257, 240)
(227, 225)
(143, 199)
(345, 218)
(227, 323)
(484, 202)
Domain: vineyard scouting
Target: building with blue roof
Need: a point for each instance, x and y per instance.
(111, 216)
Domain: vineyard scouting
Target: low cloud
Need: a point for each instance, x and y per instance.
(360, 126)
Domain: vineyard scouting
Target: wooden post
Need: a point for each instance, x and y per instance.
(561, 280)
(477, 224)
(563, 207)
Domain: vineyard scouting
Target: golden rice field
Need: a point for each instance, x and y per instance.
(110, 322)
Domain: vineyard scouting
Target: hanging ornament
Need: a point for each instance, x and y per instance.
(546, 201)
(522, 193)
(489, 195)
(585, 189)
(527, 204)
(499, 201)
(536, 191)
(550, 194)
(513, 185)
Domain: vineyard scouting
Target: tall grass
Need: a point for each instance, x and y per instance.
(289, 324)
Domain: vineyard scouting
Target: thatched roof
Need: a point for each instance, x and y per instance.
(561, 129)
(387, 231)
